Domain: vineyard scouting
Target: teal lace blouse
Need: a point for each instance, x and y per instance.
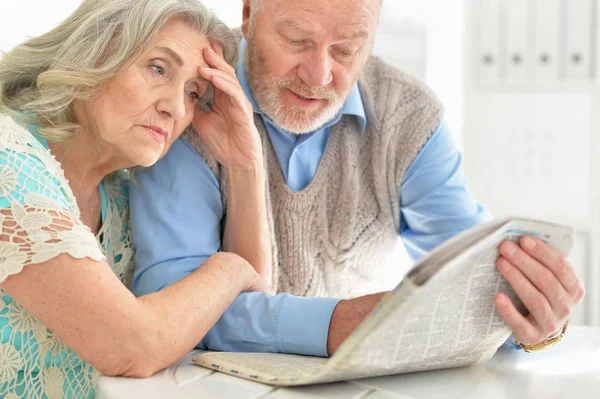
(35, 198)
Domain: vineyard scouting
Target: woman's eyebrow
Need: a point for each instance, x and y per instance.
(176, 57)
(195, 82)
(178, 60)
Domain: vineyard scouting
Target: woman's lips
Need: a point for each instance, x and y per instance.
(157, 133)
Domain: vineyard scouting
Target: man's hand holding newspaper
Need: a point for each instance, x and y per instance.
(546, 284)
(453, 309)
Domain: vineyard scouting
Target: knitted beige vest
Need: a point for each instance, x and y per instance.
(335, 237)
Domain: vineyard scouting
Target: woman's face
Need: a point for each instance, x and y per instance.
(140, 112)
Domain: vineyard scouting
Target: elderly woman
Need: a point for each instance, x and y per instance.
(111, 88)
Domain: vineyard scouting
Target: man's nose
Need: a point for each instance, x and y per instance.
(315, 70)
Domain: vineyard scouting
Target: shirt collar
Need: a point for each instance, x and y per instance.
(352, 106)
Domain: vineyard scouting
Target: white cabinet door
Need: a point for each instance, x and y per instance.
(529, 153)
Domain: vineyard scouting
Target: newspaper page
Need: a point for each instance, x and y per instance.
(449, 321)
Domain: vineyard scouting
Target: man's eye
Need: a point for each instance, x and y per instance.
(193, 95)
(159, 70)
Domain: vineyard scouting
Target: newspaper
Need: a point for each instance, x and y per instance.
(442, 315)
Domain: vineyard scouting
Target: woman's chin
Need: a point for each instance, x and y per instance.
(147, 159)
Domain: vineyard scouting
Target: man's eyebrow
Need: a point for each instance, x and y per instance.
(294, 24)
(172, 54)
(360, 34)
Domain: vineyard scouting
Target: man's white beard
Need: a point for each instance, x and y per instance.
(290, 118)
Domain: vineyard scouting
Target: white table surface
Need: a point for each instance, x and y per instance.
(569, 370)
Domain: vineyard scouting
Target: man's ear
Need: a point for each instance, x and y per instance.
(246, 12)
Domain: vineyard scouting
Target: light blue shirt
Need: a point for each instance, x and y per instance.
(176, 214)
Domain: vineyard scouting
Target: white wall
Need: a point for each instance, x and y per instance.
(20, 19)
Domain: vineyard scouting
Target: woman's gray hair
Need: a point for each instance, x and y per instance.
(40, 79)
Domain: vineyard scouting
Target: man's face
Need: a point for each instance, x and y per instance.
(304, 56)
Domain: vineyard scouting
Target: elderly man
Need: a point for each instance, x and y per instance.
(356, 154)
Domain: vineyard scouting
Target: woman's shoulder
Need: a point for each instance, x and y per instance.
(36, 205)
(13, 133)
(28, 171)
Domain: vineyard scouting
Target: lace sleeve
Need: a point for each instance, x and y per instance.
(39, 217)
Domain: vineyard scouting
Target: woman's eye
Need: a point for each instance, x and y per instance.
(193, 95)
(159, 70)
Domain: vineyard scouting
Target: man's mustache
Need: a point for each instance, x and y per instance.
(302, 89)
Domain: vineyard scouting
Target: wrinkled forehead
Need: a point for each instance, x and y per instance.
(326, 14)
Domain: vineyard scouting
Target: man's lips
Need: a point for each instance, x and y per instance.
(303, 101)
(306, 98)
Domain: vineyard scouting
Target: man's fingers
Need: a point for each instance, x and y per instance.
(522, 328)
(541, 277)
(535, 301)
(553, 261)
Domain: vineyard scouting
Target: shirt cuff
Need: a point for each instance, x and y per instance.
(511, 343)
(303, 325)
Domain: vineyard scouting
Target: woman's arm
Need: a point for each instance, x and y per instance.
(87, 306)
(246, 228)
(231, 136)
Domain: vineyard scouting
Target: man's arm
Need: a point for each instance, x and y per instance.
(436, 203)
(176, 214)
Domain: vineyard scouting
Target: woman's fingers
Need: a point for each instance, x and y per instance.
(216, 61)
(216, 47)
(209, 73)
(225, 84)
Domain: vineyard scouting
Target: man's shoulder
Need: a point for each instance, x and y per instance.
(386, 88)
(191, 139)
(380, 71)
(384, 79)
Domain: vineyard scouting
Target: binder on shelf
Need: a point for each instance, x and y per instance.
(547, 27)
(487, 34)
(578, 39)
(518, 56)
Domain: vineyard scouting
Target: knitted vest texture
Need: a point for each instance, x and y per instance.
(335, 237)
